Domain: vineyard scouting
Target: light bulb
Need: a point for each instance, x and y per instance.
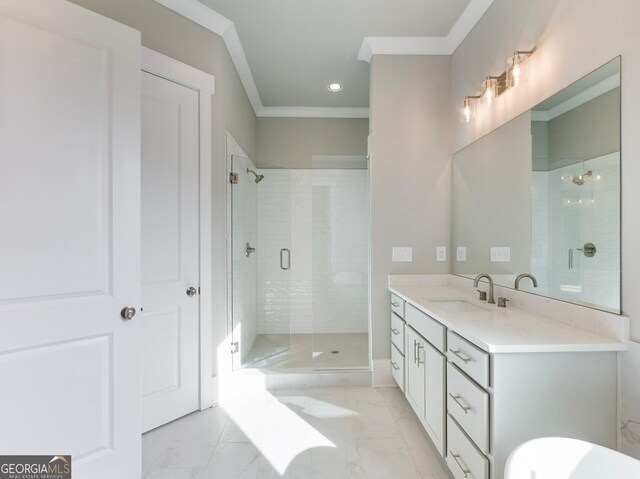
(515, 72)
(467, 111)
(488, 94)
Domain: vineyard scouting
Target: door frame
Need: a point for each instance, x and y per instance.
(203, 83)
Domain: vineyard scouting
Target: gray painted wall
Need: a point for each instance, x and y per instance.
(293, 142)
(492, 199)
(573, 37)
(410, 174)
(173, 35)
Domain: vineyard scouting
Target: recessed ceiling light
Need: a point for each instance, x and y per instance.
(334, 87)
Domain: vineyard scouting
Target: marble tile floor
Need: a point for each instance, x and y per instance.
(310, 351)
(330, 433)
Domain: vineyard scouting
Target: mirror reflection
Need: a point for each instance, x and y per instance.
(541, 196)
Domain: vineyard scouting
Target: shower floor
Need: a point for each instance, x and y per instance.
(309, 351)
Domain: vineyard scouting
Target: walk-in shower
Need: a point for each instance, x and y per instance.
(299, 298)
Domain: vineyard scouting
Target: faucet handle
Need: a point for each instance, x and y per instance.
(483, 295)
(502, 302)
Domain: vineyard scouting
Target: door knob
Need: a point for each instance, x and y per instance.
(191, 291)
(128, 312)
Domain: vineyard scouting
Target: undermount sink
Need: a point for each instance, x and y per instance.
(457, 305)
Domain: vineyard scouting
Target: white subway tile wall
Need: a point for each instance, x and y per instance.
(322, 218)
(566, 216)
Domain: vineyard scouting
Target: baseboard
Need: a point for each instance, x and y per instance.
(382, 377)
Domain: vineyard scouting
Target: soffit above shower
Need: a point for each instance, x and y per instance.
(287, 52)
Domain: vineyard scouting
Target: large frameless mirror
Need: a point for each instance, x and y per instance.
(541, 196)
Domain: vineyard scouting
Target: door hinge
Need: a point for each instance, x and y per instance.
(233, 178)
(235, 347)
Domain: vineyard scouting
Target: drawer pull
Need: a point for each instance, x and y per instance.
(466, 409)
(395, 366)
(395, 331)
(463, 468)
(420, 361)
(457, 353)
(415, 353)
(395, 304)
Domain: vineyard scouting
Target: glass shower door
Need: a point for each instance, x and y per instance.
(334, 241)
(259, 297)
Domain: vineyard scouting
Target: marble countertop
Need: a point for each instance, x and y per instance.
(503, 330)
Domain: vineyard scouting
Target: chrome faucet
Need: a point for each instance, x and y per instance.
(477, 280)
(526, 275)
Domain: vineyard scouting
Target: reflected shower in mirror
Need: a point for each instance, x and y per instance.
(541, 195)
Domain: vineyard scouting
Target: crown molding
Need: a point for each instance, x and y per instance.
(426, 45)
(311, 112)
(199, 13)
(211, 20)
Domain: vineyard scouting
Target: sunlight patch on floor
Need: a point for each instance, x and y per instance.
(275, 430)
(316, 408)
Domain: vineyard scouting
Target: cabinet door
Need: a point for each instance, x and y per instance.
(434, 367)
(415, 391)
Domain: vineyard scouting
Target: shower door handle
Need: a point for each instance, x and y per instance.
(282, 266)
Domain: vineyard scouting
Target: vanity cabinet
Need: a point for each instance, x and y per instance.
(478, 406)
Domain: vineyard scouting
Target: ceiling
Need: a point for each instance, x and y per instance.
(295, 48)
(287, 52)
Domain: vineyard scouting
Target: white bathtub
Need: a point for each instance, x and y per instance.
(563, 458)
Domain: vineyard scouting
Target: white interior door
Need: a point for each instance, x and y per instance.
(69, 241)
(170, 251)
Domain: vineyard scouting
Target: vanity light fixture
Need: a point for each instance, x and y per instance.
(334, 87)
(494, 86)
(518, 57)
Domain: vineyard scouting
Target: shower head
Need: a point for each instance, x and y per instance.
(259, 178)
(579, 180)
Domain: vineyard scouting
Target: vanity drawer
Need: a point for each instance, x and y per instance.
(397, 332)
(469, 405)
(397, 366)
(472, 360)
(463, 458)
(426, 326)
(397, 305)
